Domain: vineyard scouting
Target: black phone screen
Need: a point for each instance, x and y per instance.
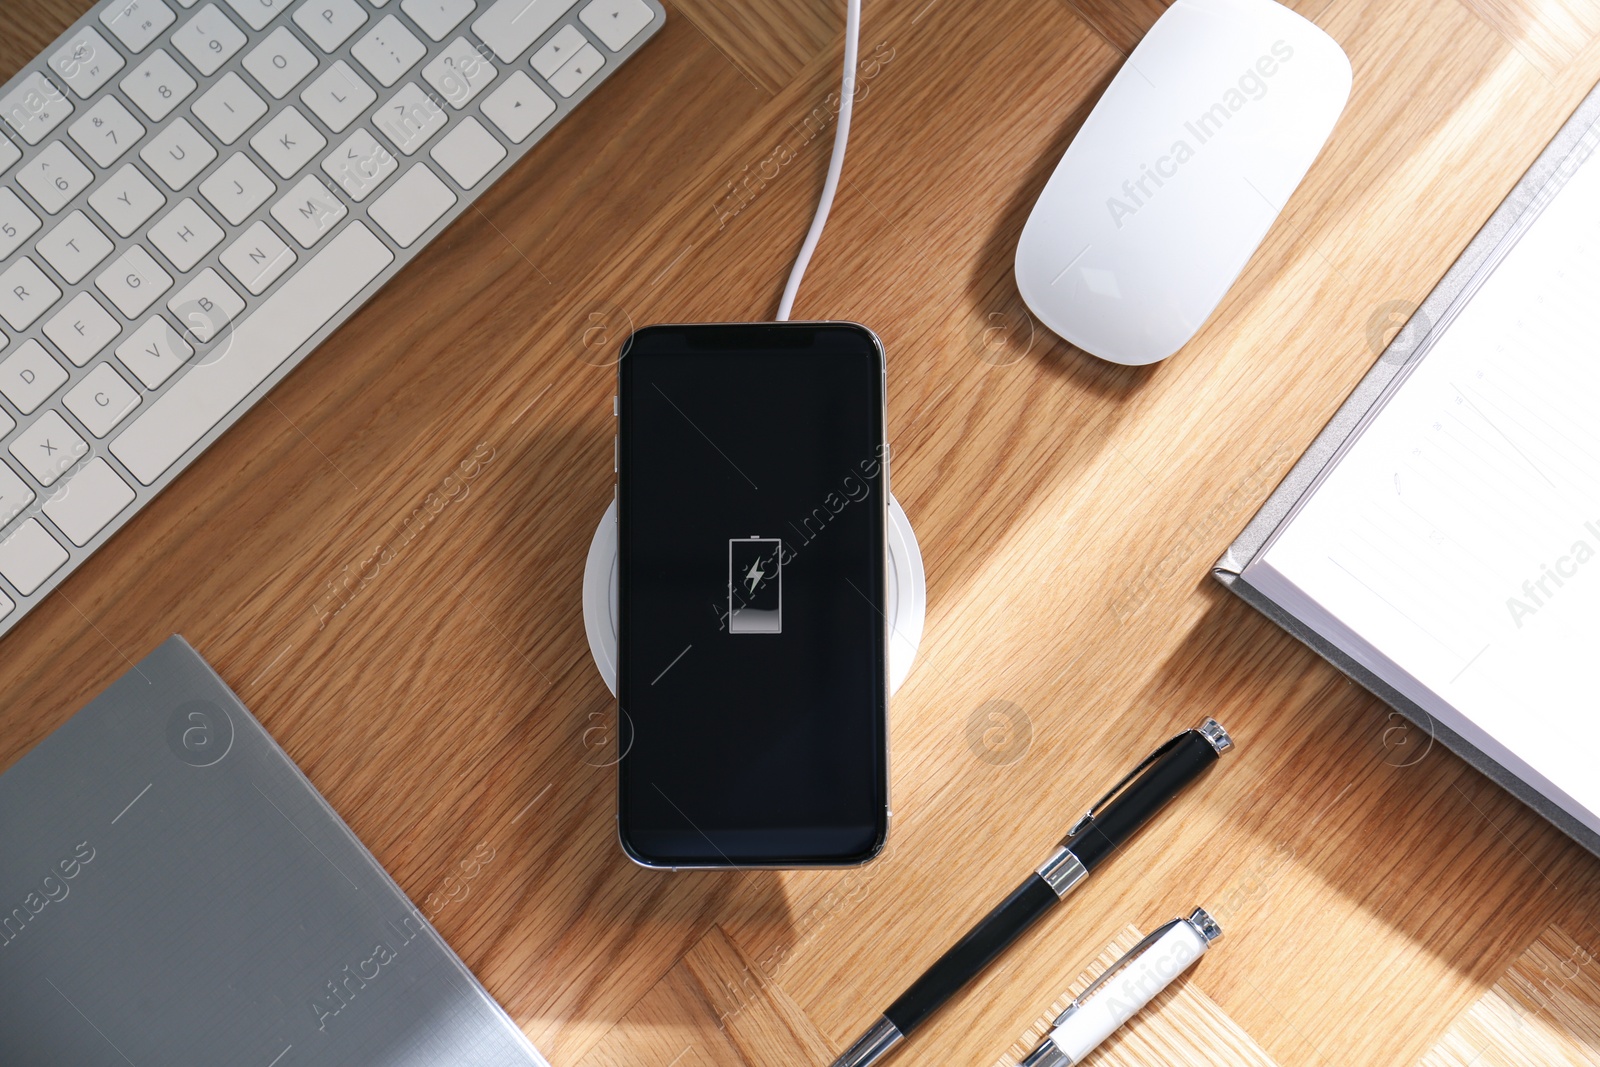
(752, 666)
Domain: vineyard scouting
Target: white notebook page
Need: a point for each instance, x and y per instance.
(1455, 547)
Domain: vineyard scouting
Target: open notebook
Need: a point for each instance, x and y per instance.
(1441, 541)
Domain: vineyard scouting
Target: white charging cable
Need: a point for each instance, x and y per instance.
(841, 134)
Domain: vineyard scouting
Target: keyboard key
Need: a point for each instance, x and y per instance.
(6, 604)
(206, 305)
(616, 22)
(280, 62)
(178, 153)
(458, 73)
(82, 329)
(17, 222)
(258, 258)
(75, 247)
(153, 352)
(577, 70)
(388, 51)
(94, 497)
(35, 107)
(237, 188)
(29, 376)
(412, 204)
(229, 108)
(126, 199)
(468, 152)
(30, 556)
(158, 85)
(49, 448)
(258, 12)
(25, 294)
(54, 177)
(15, 494)
(288, 142)
(7, 424)
(209, 39)
(9, 154)
(133, 281)
(101, 400)
(410, 118)
(518, 107)
(557, 50)
(309, 211)
(330, 22)
(510, 26)
(360, 165)
(106, 131)
(137, 22)
(437, 17)
(86, 62)
(284, 321)
(185, 234)
(338, 96)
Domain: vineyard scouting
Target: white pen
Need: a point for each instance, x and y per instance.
(1124, 989)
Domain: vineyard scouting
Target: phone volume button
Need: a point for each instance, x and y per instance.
(616, 453)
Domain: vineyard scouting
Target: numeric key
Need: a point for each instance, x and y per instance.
(106, 131)
(209, 39)
(158, 85)
(54, 177)
(17, 223)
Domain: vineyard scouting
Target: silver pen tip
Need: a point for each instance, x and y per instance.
(880, 1037)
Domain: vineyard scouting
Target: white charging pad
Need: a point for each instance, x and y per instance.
(908, 596)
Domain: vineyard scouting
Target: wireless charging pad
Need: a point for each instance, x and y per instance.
(908, 596)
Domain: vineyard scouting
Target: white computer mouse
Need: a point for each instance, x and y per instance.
(1177, 174)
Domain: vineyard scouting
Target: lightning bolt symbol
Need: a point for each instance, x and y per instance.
(754, 575)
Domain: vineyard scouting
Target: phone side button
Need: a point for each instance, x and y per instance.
(616, 453)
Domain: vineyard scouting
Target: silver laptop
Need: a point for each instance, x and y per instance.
(173, 891)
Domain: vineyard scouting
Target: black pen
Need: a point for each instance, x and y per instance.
(1111, 821)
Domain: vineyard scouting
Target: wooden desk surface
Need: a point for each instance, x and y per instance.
(1378, 895)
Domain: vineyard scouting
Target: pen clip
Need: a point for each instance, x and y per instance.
(1203, 923)
(1111, 793)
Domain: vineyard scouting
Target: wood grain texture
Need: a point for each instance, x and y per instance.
(1543, 1012)
(769, 40)
(1068, 512)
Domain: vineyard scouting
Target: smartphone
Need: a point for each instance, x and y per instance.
(752, 675)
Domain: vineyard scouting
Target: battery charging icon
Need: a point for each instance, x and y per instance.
(755, 585)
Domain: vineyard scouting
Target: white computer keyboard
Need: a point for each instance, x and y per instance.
(194, 194)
